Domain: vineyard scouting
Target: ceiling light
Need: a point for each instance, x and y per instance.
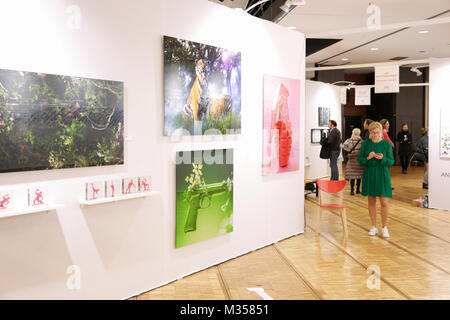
(374, 49)
(292, 28)
(344, 59)
(286, 7)
(417, 71)
(423, 31)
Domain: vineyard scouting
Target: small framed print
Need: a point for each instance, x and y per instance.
(316, 135)
(95, 190)
(113, 188)
(37, 196)
(145, 184)
(6, 201)
(130, 185)
(324, 116)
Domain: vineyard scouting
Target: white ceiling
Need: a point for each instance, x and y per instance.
(319, 16)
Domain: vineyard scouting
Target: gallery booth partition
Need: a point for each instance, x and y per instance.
(120, 249)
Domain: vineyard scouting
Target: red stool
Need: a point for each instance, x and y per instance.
(332, 187)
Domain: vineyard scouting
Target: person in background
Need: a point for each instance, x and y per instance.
(404, 149)
(422, 149)
(354, 169)
(386, 125)
(377, 155)
(334, 140)
(367, 123)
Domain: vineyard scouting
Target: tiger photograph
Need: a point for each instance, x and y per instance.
(202, 89)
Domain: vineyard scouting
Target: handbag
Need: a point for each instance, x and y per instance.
(345, 153)
(325, 151)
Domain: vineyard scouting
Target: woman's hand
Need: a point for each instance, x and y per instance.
(371, 155)
(379, 156)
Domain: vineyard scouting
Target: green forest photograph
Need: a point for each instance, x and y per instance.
(54, 122)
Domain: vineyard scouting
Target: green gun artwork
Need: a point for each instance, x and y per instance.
(202, 199)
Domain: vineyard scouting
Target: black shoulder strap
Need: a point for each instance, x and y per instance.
(354, 147)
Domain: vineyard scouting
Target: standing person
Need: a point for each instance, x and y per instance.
(377, 155)
(367, 123)
(422, 152)
(334, 140)
(386, 125)
(404, 149)
(354, 169)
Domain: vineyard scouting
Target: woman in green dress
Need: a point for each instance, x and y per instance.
(377, 155)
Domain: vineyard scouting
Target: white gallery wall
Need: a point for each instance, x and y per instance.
(126, 248)
(319, 94)
(439, 172)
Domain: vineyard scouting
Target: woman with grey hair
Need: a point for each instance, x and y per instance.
(354, 169)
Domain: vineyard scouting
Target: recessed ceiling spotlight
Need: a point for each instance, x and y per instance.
(344, 59)
(423, 31)
(374, 49)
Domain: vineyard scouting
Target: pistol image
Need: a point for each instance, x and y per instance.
(202, 199)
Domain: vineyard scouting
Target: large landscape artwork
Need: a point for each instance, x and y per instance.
(53, 121)
(202, 86)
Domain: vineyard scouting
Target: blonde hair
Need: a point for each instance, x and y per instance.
(376, 125)
(356, 133)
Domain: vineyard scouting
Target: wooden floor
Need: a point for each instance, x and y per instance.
(414, 263)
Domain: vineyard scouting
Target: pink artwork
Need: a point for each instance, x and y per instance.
(144, 184)
(130, 185)
(95, 190)
(37, 196)
(113, 188)
(281, 140)
(6, 199)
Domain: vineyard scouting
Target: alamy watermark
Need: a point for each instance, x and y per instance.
(374, 19)
(74, 17)
(74, 280)
(374, 280)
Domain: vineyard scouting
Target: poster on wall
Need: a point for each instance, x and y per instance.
(204, 195)
(316, 135)
(281, 150)
(362, 96)
(324, 116)
(52, 121)
(202, 89)
(445, 134)
(387, 79)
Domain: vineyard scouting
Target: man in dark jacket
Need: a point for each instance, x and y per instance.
(367, 123)
(404, 150)
(334, 140)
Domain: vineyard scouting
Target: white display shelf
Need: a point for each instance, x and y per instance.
(31, 210)
(84, 203)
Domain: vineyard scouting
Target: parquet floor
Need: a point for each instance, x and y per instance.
(413, 264)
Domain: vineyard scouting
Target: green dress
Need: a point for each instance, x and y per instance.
(376, 180)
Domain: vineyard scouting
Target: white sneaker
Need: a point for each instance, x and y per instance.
(385, 232)
(373, 231)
